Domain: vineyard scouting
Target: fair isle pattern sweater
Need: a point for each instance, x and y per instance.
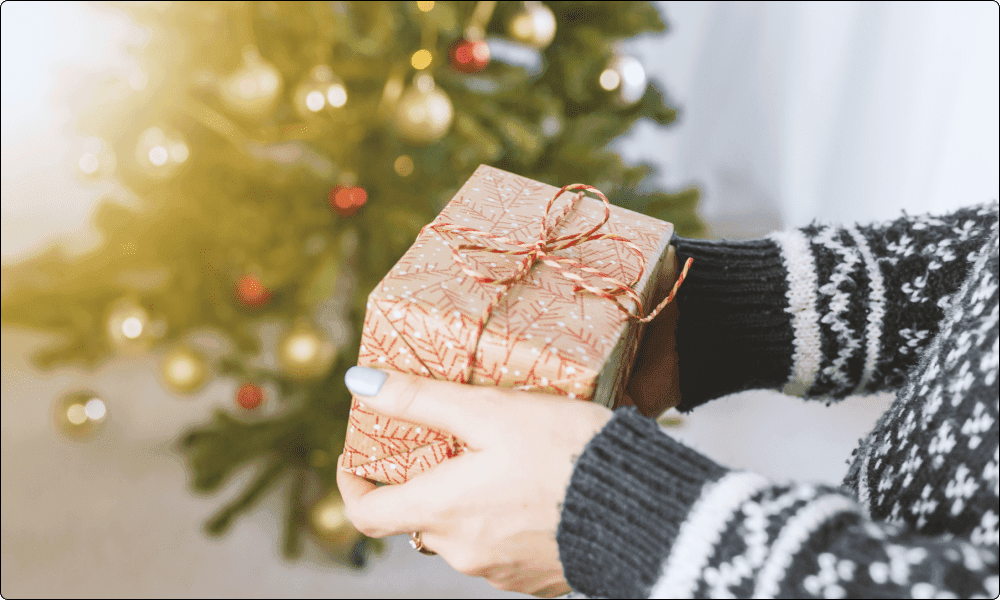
(822, 312)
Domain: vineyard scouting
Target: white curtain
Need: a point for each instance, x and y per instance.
(843, 111)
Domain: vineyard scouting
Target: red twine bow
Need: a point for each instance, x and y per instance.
(543, 250)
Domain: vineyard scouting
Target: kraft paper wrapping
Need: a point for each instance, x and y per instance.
(422, 318)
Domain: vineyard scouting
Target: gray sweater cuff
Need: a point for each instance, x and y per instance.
(630, 491)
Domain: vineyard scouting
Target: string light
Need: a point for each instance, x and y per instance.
(336, 95)
(80, 414)
(421, 59)
(318, 91)
(610, 79)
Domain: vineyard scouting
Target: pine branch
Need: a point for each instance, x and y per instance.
(220, 523)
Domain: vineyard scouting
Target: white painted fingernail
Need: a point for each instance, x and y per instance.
(364, 381)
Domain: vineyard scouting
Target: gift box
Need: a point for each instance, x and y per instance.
(516, 284)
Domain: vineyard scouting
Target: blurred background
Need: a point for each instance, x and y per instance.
(148, 454)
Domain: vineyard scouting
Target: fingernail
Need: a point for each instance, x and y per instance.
(364, 381)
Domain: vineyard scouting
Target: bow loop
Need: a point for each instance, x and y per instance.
(544, 248)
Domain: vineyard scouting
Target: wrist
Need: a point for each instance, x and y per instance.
(630, 491)
(735, 333)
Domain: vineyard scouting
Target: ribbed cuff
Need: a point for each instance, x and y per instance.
(733, 332)
(630, 491)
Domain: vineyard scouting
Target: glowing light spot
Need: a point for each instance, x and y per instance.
(268, 81)
(158, 155)
(610, 79)
(425, 5)
(421, 59)
(315, 101)
(76, 414)
(302, 348)
(336, 95)
(181, 369)
(331, 517)
(132, 328)
(248, 86)
(95, 409)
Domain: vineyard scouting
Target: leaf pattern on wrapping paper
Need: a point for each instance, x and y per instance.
(399, 449)
(542, 336)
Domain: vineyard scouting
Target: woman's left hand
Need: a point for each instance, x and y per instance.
(492, 511)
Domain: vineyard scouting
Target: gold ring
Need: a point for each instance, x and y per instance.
(418, 544)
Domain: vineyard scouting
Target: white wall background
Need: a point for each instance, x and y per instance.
(841, 111)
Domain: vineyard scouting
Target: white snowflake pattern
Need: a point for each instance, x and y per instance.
(944, 441)
(911, 465)
(961, 487)
(826, 582)
(961, 382)
(987, 532)
(925, 506)
(978, 423)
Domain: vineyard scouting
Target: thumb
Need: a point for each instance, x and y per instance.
(463, 410)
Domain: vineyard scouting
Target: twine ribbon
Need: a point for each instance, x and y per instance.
(543, 250)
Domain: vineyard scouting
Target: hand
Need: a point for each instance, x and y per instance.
(492, 511)
(654, 385)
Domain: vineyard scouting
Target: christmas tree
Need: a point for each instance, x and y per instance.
(285, 155)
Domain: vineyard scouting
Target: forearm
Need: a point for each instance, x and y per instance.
(820, 311)
(645, 516)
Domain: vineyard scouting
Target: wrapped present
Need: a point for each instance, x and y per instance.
(515, 284)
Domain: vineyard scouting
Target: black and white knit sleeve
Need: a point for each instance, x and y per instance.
(918, 512)
(822, 311)
(647, 517)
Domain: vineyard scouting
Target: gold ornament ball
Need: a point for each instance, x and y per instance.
(254, 88)
(320, 92)
(305, 352)
(535, 25)
(128, 326)
(331, 526)
(97, 159)
(184, 370)
(80, 415)
(424, 113)
(160, 152)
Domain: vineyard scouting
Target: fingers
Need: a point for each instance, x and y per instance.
(379, 511)
(466, 411)
(382, 511)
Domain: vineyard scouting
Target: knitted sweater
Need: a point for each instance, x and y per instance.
(822, 312)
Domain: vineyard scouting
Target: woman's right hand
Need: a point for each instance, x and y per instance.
(654, 385)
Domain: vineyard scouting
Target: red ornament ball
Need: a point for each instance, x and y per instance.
(470, 57)
(251, 291)
(347, 199)
(250, 396)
